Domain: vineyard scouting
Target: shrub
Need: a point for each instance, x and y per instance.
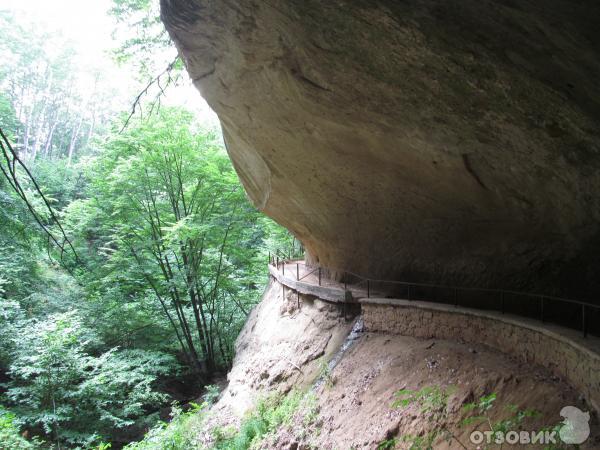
(179, 434)
(58, 389)
(10, 437)
(183, 432)
(270, 413)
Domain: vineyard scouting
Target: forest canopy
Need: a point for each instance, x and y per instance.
(130, 255)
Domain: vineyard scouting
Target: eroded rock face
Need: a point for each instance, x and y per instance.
(453, 141)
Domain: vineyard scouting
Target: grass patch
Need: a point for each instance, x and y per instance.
(185, 430)
(181, 433)
(270, 414)
(296, 412)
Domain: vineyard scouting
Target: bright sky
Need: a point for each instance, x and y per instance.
(88, 24)
(85, 21)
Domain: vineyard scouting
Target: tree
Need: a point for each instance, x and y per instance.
(176, 226)
(58, 389)
(128, 259)
(49, 103)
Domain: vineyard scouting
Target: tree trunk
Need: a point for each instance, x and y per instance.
(74, 136)
(48, 144)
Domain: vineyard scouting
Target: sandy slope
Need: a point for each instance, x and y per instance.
(282, 347)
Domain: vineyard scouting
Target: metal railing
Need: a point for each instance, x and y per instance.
(307, 271)
(571, 313)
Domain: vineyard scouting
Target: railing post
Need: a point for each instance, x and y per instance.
(274, 259)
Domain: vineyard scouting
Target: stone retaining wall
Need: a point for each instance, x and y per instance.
(561, 350)
(558, 349)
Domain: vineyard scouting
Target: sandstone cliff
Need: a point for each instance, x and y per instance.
(423, 140)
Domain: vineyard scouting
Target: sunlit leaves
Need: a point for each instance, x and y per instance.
(75, 397)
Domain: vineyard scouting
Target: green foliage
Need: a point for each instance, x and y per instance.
(430, 399)
(19, 272)
(211, 394)
(168, 222)
(143, 43)
(140, 34)
(8, 117)
(172, 260)
(325, 373)
(103, 446)
(267, 417)
(281, 242)
(171, 253)
(182, 432)
(387, 444)
(10, 435)
(46, 104)
(118, 390)
(424, 442)
(12, 317)
(61, 183)
(432, 402)
(47, 361)
(58, 388)
(185, 428)
(479, 411)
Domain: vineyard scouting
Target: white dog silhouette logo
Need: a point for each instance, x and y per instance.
(576, 428)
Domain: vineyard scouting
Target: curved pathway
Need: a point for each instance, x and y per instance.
(561, 350)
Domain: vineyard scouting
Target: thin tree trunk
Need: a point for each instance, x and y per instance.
(25, 148)
(92, 125)
(48, 143)
(39, 127)
(74, 136)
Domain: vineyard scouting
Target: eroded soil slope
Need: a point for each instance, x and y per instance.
(281, 346)
(284, 347)
(356, 411)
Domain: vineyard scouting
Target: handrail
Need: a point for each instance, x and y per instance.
(287, 254)
(475, 289)
(275, 261)
(542, 298)
(298, 278)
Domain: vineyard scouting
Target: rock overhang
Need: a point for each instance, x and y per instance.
(422, 140)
